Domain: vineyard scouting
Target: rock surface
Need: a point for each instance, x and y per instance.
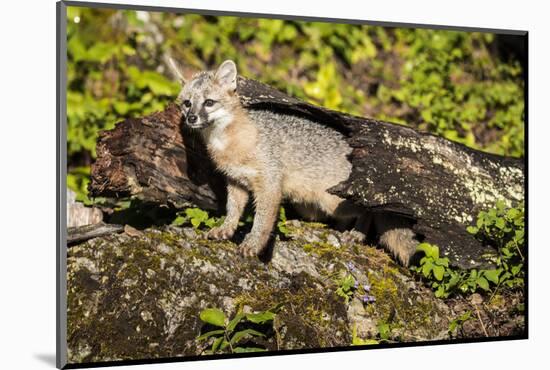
(139, 294)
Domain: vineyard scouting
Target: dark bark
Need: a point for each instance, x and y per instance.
(148, 158)
(79, 234)
(440, 185)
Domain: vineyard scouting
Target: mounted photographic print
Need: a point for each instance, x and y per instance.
(239, 184)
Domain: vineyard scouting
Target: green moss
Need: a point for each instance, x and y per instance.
(497, 301)
(319, 248)
(384, 289)
(323, 249)
(314, 225)
(397, 306)
(306, 317)
(164, 237)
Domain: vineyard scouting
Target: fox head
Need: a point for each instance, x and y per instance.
(209, 98)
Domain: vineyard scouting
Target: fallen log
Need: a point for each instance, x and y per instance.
(440, 185)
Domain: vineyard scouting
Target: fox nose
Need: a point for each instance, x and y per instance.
(191, 118)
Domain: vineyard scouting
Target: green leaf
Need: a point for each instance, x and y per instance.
(235, 321)
(519, 234)
(465, 316)
(101, 52)
(453, 325)
(213, 316)
(384, 330)
(179, 220)
(261, 317)
(472, 230)
(439, 271)
(217, 344)
(427, 268)
(158, 84)
(76, 49)
(121, 107)
(505, 276)
(512, 213)
(224, 344)
(440, 292)
(480, 221)
(483, 283)
(197, 213)
(210, 333)
(454, 280)
(492, 275)
(430, 250)
(244, 333)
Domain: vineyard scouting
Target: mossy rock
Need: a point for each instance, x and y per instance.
(136, 297)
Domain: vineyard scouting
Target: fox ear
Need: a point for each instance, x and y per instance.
(226, 75)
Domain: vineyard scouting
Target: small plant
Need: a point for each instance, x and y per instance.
(436, 270)
(197, 217)
(247, 219)
(446, 280)
(384, 331)
(231, 334)
(432, 264)
(384, 334)
(502, 227)
(281, 223)
(348, 285)
(459, 322)
(356, 341)
(505, 229)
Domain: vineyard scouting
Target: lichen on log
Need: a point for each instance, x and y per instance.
(438, 184)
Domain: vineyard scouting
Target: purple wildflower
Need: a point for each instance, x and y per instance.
(366, 287)
(356, 285)
(350, 266)
(368, 299)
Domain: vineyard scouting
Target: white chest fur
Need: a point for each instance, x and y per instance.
(228, 153)
(218, 143)
(217, 140)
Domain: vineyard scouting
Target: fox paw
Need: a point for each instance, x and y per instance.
(250, 248)
(220, 233)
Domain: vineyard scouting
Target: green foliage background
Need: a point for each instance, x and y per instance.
(453, 84)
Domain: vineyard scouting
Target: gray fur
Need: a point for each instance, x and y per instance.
(273, 157)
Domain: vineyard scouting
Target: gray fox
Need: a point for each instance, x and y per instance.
(273, 157)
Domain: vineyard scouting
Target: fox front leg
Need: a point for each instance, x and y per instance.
(268, 200)
(237, 197)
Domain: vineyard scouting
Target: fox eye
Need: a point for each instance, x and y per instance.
(187, 103)
(209, 102)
